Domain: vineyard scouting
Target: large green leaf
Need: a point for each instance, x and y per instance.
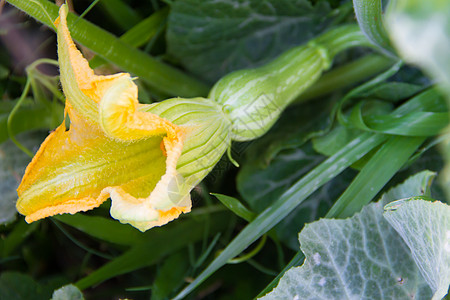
(361, 257)
(425, 228)
(212, 38)
(17, 286)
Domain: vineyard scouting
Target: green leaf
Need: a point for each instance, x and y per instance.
(12, 166)
(17, 286)
(416, 185)
(362, 257)
(27, 118)
(419, 184)
(67, 292)
(393, 91)
(102, 228)
(121, 13)
(370, 18)
(425, 228)
(420, 30)
(423, 115)
(170, 276)
(251, 32)
(384, 164)
(236, 206)
(155, 245)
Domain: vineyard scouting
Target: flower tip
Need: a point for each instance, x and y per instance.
(62, 13)
(167, 201)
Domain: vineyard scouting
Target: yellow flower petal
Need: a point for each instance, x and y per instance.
(111, 150)
(146, 158)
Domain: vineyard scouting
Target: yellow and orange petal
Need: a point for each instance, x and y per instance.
(112, 149)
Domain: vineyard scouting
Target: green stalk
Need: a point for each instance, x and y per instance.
(346, 75)
(140, 34)
(158, 75)
(342, 38)
(11, 116)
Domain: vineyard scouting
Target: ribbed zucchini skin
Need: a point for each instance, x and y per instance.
(254, 98)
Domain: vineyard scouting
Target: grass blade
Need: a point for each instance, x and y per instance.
(370, 20)
(376, 173)
(122, 14)
(235, 206)
(105, 229)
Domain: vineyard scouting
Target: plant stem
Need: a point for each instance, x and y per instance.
(11, 116)
(346, 75)
(158, 75)
(342, 38)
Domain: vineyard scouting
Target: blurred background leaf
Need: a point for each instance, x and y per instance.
(17, 286)
(12, 167)
(420, 30)
(211, 39)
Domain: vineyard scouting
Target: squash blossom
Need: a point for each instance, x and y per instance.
(146, 158)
